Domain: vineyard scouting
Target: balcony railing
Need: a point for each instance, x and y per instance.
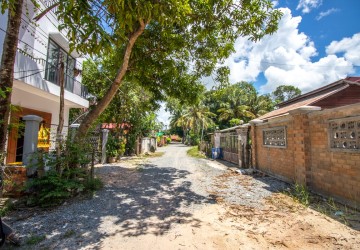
(77, 88)
(71, 84)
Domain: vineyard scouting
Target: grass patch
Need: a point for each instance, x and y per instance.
(155, 154)
(69, 234)
(300, 194)
(337, 211)
(35, 239)
(327, 206)
(194, 152)
(93, 185)
(6, 207)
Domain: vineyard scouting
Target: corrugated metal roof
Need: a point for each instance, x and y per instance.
(307, 99)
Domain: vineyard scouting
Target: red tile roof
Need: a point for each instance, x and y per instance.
(311, 98)
(114, 125)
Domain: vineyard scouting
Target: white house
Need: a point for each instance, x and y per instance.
(36, 86)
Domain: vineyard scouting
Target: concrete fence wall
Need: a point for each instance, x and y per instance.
(322, 151)
(147, 143)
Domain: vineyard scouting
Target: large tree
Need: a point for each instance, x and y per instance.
(236, 103)
(285, 92)
(158, 39)
(7, 63)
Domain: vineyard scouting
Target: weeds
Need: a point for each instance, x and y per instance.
(93, 185)
(335, 210)
(6, 208)
(52, 190)
(328, 207)
(194, 152)
(301, 194)
(69, 234)
(155, 154)
(35, 239)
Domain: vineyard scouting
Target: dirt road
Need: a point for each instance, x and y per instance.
(178, 202)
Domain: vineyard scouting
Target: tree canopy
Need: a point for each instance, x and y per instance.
(285, 92)
(165, 45)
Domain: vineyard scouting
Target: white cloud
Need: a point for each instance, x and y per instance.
(308, 77)
(275, 3)
(286, 58)
(307, 5)
(326, 13)
(350, 47)
(162, 115)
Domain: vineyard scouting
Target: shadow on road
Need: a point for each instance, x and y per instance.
(145, 200)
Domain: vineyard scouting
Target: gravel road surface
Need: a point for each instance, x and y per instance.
(153, 203)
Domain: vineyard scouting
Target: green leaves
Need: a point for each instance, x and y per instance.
(237, 102)
(4, 91)
(209, 28)
(181, 42)
(285, 92)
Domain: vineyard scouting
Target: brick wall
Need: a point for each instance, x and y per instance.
(308, 159)
(334, 173)
(277, 161)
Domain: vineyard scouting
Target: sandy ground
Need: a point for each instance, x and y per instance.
(178, 202)
(279, 223)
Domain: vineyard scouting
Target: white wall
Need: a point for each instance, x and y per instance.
(30, 65)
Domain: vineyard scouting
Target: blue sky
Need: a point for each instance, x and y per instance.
(317, 43)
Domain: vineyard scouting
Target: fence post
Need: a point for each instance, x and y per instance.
(30, 139)
(254, 146)
(74, 127)
(105, 136)
(243, 141)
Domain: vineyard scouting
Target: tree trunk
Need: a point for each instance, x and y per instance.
(59, 137)
(7, 68)
(104, 102)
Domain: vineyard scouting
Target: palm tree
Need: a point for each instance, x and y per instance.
(260, 105)
(196, 118)
(238, 112)
(177, 120)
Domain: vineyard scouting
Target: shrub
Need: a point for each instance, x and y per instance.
(93, 185)
(52, 189)
(194, 152)
(112, 146)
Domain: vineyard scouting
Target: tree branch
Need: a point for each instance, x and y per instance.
(44, 12)
(109, 95)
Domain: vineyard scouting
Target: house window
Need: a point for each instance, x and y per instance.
(274, 137)
(344, 134)
(56, 55)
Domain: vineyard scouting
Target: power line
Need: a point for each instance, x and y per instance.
(25, 43)
(35, 29)
(29, 75)
(56, 26)
(42, 53)
(30, 70)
